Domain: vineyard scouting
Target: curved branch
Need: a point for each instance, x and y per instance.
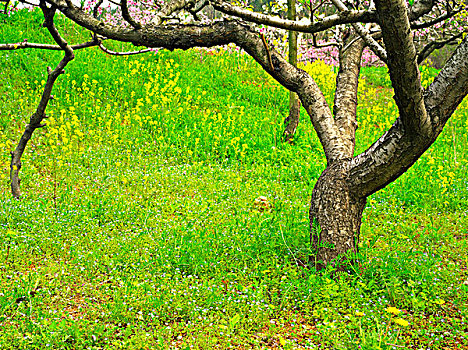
(437, 44)
(326, 23)
(116, 53)
(39, 115)
(126, 15)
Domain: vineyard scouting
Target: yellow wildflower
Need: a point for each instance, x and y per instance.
(401, 322)
(393, 310)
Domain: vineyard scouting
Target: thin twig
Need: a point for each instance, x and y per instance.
(116, 53)
(435, 20)
(7, 2)
(330, 43)
(27, 45)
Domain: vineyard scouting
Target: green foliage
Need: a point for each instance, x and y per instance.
(139, 229)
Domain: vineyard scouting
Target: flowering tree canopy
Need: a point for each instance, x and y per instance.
(400, 34)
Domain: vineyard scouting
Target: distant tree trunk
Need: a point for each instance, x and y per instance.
(292, 121)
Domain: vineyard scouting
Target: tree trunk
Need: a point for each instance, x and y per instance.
(335, 218)
(292, 121)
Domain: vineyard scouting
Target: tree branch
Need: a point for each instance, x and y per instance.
(116, 53)
(436, 20)
(169, 8)
(27, 45)
(449, 88)
(397, 150)
(412, 133)
(346, 92)
(365, 35)
(126, 15)
(7, 2)
(326, 23)
(420, 8)
(437, 44)
(39, 115)
(403, 67)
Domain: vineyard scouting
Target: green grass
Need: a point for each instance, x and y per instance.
(138, 226)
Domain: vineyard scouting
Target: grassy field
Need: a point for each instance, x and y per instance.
(138, 228)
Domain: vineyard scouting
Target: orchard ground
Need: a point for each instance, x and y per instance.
(138, 229)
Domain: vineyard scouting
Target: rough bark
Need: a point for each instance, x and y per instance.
(346, 98)
(335, 217)
(292, 121)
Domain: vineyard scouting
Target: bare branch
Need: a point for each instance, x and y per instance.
(27, 45)
(437, 44)
(403, 67)
(126, 15)
(345, 104)
(7, 2)
(39, 115)
(365, 35)
(96, 8)
(322, 45)
(393, 154)
(439, 19)
(449, 87)
(412, 133)
(326, 23)
(128, 53)
(169, 8)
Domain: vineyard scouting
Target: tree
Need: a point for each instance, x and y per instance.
(388, 29)
(292, 121)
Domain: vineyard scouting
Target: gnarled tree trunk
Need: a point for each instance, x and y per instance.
(335, 217)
